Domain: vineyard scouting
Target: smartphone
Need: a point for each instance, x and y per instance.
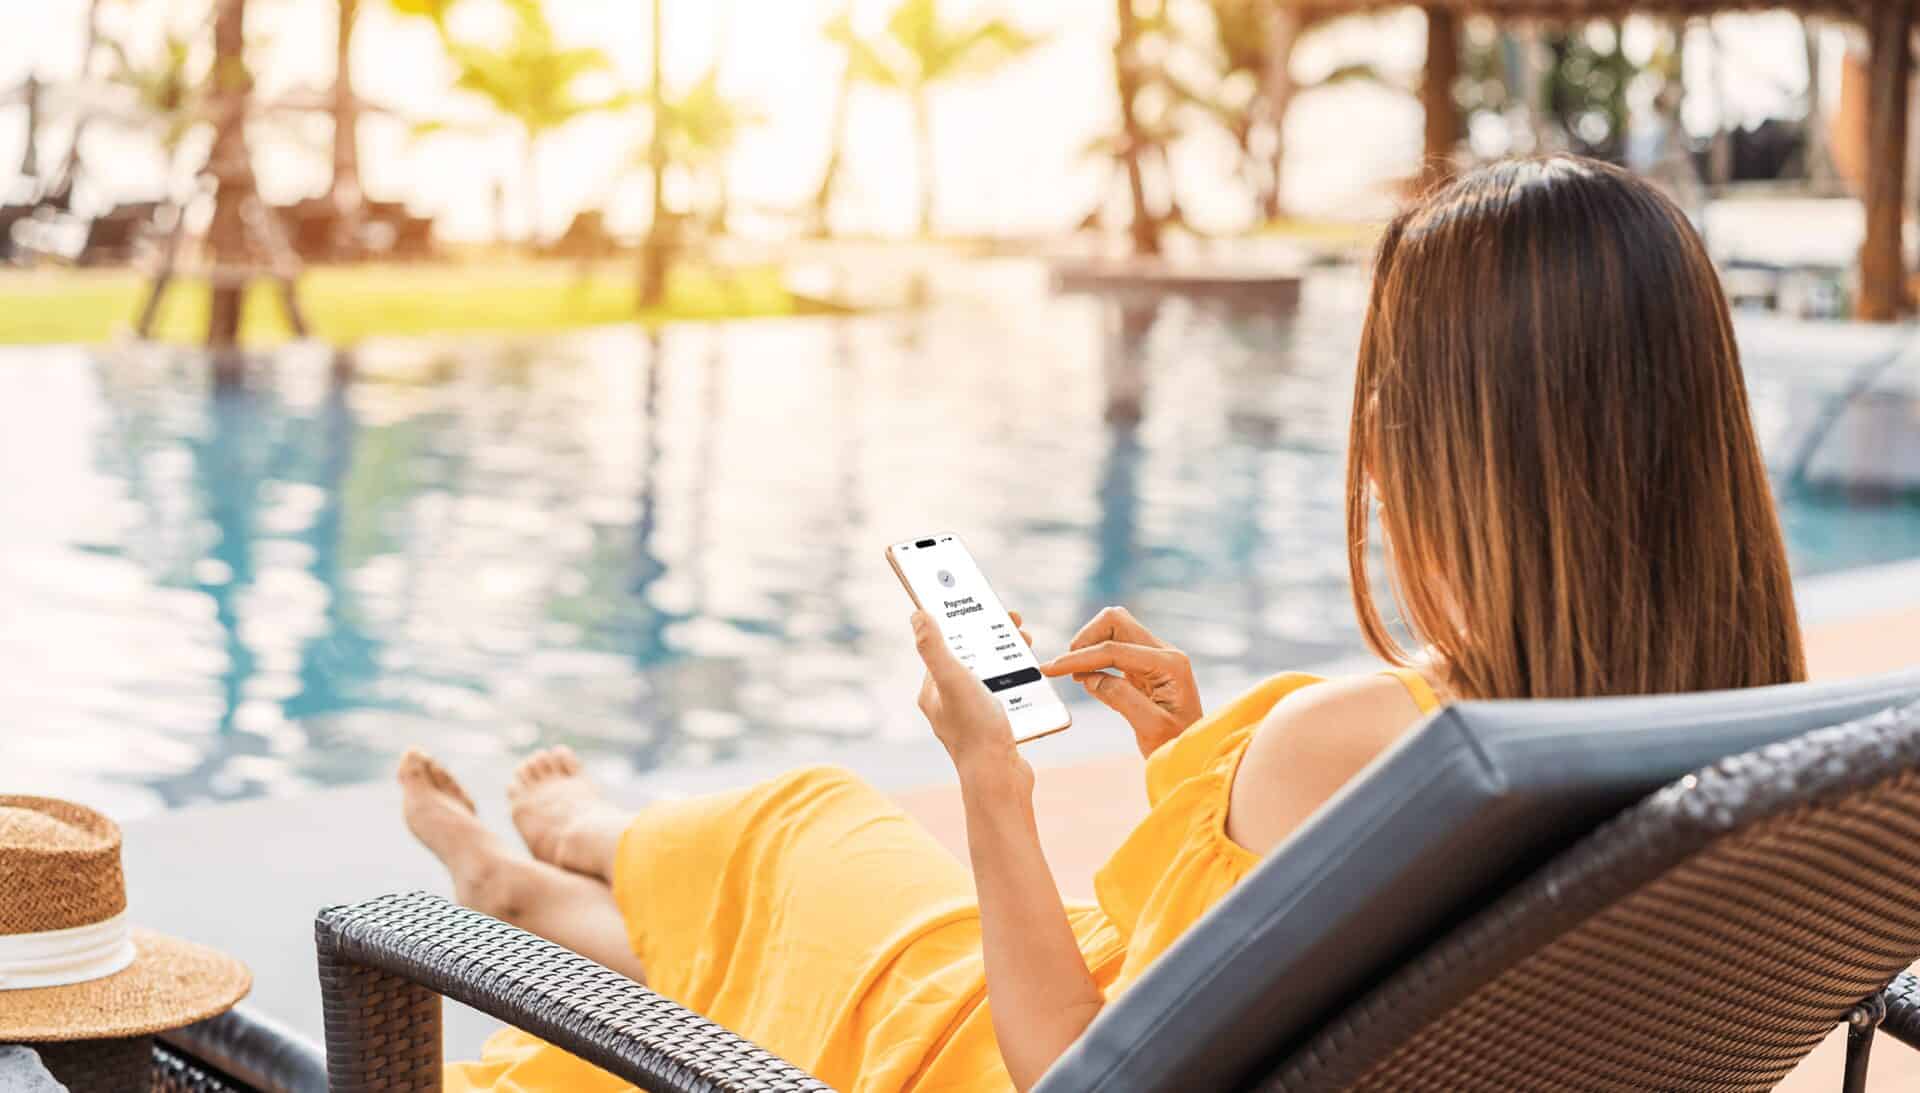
(944, 581)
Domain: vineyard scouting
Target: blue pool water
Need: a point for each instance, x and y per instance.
(665, 549)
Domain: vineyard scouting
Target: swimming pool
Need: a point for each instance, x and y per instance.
(666, 549)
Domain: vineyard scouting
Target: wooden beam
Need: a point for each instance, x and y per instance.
(1883, 280)
(1436, 95)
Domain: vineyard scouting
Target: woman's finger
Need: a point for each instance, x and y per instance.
(1122, 698)
(1018, 623)
(942, 665)
(1113, 624)
(1125, 656)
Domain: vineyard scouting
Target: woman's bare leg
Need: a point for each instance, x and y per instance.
(564, 907)
(562, 817)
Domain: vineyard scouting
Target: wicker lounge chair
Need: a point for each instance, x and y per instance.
(1508, 899)
(236, 1052)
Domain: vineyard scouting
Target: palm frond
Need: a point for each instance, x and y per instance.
(980, 49)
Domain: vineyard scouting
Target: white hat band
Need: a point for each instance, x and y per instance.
(56, 958)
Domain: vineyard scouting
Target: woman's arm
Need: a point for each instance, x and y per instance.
(1042, 995)
(1040, 992)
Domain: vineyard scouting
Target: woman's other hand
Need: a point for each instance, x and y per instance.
(1155, 691)
(966, 717)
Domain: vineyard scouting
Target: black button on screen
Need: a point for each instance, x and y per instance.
(1013, 679)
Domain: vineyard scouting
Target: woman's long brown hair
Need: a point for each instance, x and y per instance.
(1550, 409)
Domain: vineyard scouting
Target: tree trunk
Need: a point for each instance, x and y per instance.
(344, 189)
(1720, 149)
(30, 155)
(653, 251)
(1283, 31)
(1436, 95)
(1883, 288)
(823, 196)
(923, 145)
(1144, 228)
(229, 163)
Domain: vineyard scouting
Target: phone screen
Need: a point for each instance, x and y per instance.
(949, 587)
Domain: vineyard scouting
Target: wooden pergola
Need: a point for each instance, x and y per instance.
(1889, 26)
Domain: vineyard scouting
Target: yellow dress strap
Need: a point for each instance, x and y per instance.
(1417, 686)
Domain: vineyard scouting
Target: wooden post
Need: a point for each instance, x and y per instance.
(1436, 95)
(1883, 288)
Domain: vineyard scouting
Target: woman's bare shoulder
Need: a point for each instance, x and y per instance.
(1308, 746)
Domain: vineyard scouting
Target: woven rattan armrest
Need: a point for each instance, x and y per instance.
(1902, 998)
(385, 962)
(241, 1049)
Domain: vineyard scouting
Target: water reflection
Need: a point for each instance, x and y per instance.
(659, 548)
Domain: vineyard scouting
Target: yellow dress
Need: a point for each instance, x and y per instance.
(813, 916)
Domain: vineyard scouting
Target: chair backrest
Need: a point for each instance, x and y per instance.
(1455, 815)
(1704, 940)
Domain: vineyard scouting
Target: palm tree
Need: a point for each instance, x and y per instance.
(1819, 154)
(532, 82)
(694, 131)
(1138, 136)
(436, 10)
(1248, 55)
(28, 94)
(838, 29)
(654, 251)
(917, 52)
(699, 128)
(1240, 51)
(161, 93)
(231, 165)
(343, 189)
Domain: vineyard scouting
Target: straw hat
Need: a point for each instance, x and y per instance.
(71, 966)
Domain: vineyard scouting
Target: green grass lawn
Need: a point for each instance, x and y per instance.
(347, 303)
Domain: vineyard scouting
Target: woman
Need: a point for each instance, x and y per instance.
(1550, 418)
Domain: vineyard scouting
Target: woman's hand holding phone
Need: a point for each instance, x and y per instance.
(1155, 690)
(965, 716)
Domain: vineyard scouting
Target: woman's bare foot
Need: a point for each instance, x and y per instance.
(562, 817)
(486, 872)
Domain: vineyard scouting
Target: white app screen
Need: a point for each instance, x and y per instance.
(951, 589)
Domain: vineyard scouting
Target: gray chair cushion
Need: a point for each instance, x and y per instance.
(1464, 806)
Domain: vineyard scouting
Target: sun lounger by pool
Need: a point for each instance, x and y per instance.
(1682, 892)
(237, 1052)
